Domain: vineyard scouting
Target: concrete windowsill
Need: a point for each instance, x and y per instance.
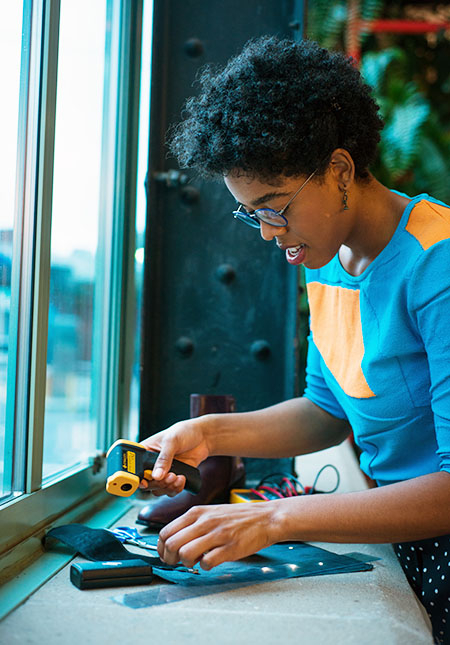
(376, 607)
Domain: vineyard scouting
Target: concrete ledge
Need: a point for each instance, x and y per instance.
(373, 608)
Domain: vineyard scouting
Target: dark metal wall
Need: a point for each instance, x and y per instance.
(220, 304)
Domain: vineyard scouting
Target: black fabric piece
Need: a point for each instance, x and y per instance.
(98, 545)
(426, 564)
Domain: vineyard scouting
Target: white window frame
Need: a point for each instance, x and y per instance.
(34, 505)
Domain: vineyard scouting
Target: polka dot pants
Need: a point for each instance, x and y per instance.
(426, 564)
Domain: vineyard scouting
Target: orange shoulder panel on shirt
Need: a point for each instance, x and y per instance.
(337, 332)
(429, 223)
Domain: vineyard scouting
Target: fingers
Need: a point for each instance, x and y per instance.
(184, 548)
(166, 449)
(171, 485)
(183, 441)
(214, 557)
(197, 552)
(163, 463)
(188, 554)
(192, 539)
(166, 483)
(213, 534)
(172, 538)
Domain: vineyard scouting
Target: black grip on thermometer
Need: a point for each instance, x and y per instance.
(128, 462)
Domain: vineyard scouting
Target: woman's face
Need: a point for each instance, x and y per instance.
(317, 224)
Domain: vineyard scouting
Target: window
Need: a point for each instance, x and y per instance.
(70, 427)
(69, 114)
(10, 50)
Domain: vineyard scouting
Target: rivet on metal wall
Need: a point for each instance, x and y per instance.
(189, 194)
(260, 349)
(225, 273)
(194, 47)
(173, 178)
(184, 346)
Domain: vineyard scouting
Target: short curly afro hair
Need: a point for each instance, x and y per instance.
(279, 108)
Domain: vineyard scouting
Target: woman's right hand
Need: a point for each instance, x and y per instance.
(184, 441)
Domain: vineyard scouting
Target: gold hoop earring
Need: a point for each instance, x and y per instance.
(344, 201)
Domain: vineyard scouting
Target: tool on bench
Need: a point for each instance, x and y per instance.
(128, 462)
(279, 486)
(114, 573)
(129, 535)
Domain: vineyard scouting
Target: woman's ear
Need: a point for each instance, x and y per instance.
(342, 167)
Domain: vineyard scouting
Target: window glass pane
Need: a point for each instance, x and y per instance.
(10, 50)
(70, 430)
(141, 205)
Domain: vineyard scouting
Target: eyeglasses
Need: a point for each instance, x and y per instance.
(268, 215)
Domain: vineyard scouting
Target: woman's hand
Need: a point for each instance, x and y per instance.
(185, 441)
(211, 535)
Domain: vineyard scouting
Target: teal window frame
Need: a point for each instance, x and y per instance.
(35, 504)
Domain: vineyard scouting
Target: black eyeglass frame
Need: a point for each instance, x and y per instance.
(255, 217)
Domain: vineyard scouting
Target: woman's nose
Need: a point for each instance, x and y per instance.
(268, 232)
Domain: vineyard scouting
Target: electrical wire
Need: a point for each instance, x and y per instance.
(281, 485)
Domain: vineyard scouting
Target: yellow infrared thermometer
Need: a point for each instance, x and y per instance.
(128, 462)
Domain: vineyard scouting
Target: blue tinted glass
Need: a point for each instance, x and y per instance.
(10, 52)
(71, 407)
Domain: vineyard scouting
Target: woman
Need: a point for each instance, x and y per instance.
(292, 130)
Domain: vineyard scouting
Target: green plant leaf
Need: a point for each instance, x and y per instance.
(374, 66)
(401, 138)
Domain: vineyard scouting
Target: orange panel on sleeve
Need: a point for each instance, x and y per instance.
(337, 333)
(429, 223)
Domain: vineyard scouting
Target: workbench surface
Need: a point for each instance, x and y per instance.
(370, 608)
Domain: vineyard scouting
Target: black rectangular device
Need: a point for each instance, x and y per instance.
(114, 573)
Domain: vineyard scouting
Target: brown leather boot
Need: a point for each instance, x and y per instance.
(219, 474)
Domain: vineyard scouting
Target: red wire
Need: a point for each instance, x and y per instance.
(291, 491)
(274, 491)
(258, 494)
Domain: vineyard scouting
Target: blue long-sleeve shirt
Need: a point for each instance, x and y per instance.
(379, 348)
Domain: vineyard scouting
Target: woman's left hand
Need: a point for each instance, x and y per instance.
(211, 535)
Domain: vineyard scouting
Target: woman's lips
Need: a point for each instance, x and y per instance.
(296, 254)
